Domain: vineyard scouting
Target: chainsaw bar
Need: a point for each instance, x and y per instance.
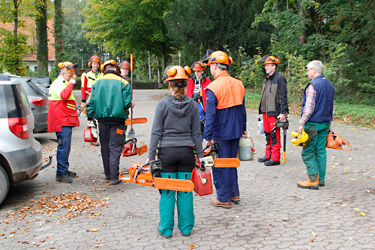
(209, 161)
(173, 184)
(136, 121)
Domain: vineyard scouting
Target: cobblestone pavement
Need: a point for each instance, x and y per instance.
(273, 213)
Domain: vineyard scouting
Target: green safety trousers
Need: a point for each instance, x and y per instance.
(314, 154)
(184, 207)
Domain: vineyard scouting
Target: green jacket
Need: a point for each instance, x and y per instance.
(110, 97)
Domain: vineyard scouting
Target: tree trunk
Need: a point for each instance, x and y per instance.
(41, 37)
(301, 12)
(57, 26)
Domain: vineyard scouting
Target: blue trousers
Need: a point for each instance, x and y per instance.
(64, 139)
(226, 179)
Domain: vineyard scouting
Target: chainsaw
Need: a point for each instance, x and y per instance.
(130, 148)
(211, 152)
(305, 137)
(337, 142)
(149, 175)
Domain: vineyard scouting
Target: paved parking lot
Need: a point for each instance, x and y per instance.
(273, 213)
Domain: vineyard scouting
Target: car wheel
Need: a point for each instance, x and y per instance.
(4, 184)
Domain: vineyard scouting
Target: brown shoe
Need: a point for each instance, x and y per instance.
(308, 184)
(236, 199)
(215, 202)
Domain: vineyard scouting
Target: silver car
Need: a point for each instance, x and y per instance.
(20, 153)
(38, 100)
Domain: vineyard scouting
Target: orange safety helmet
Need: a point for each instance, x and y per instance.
(270, 60)
(94, 58)
(68, 66)
(199, 66)
(125, 65)
(219, 57)
(177, 72)
(109, 62)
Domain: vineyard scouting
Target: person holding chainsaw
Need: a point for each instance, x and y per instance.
(317, 112)
(87, 80)
(109, 103)
(273, 106)
(225, 124)
(196, 89)
(62, 117)
(176, 129)
(125, 68)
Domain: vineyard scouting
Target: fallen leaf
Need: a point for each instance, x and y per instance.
(345, 171)
(268, 224)
(369, 228)
(106, 199)
(363, 214)
(191, 246)
(270, 214)
(94, 229)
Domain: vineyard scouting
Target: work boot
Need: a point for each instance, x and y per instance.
(321, 183)
(263, 159)
(64, 178)
(310, 184)
(216, 203)
(115, 182)
(271, 163)
(236, 199)
(71, 174)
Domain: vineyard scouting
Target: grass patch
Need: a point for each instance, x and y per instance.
(353, 114)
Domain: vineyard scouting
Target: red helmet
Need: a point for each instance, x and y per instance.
(94, 58)
(219, 57)
(271, 60)
(68, 66)
(125, 65)
(177, 72)
(109, 62)
(199, 66)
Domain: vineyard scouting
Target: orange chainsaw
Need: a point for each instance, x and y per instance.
(149, 175)
(337, 142)
(211, 152)
(130, 148)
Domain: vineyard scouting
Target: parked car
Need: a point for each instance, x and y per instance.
(39, 103)
(20, 153)
(43, 82)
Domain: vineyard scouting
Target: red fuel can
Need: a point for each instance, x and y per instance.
(202, 181)
(88, 135)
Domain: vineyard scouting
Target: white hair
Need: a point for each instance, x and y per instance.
(63, 71)
(317, 65)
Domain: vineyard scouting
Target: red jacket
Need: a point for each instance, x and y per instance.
(190, 89)
(62, 109)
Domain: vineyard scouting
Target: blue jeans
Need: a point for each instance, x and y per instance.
(226, 179)
(64, 139)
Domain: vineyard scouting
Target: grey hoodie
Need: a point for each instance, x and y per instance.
(176, 123)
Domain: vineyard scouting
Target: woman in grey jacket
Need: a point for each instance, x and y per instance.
(176, 129)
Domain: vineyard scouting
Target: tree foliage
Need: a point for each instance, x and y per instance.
(337, 32)
(197, 25)
(129, 26)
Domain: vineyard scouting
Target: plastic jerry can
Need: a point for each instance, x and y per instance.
(89, 136)
(246, 150)
(202, 181)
